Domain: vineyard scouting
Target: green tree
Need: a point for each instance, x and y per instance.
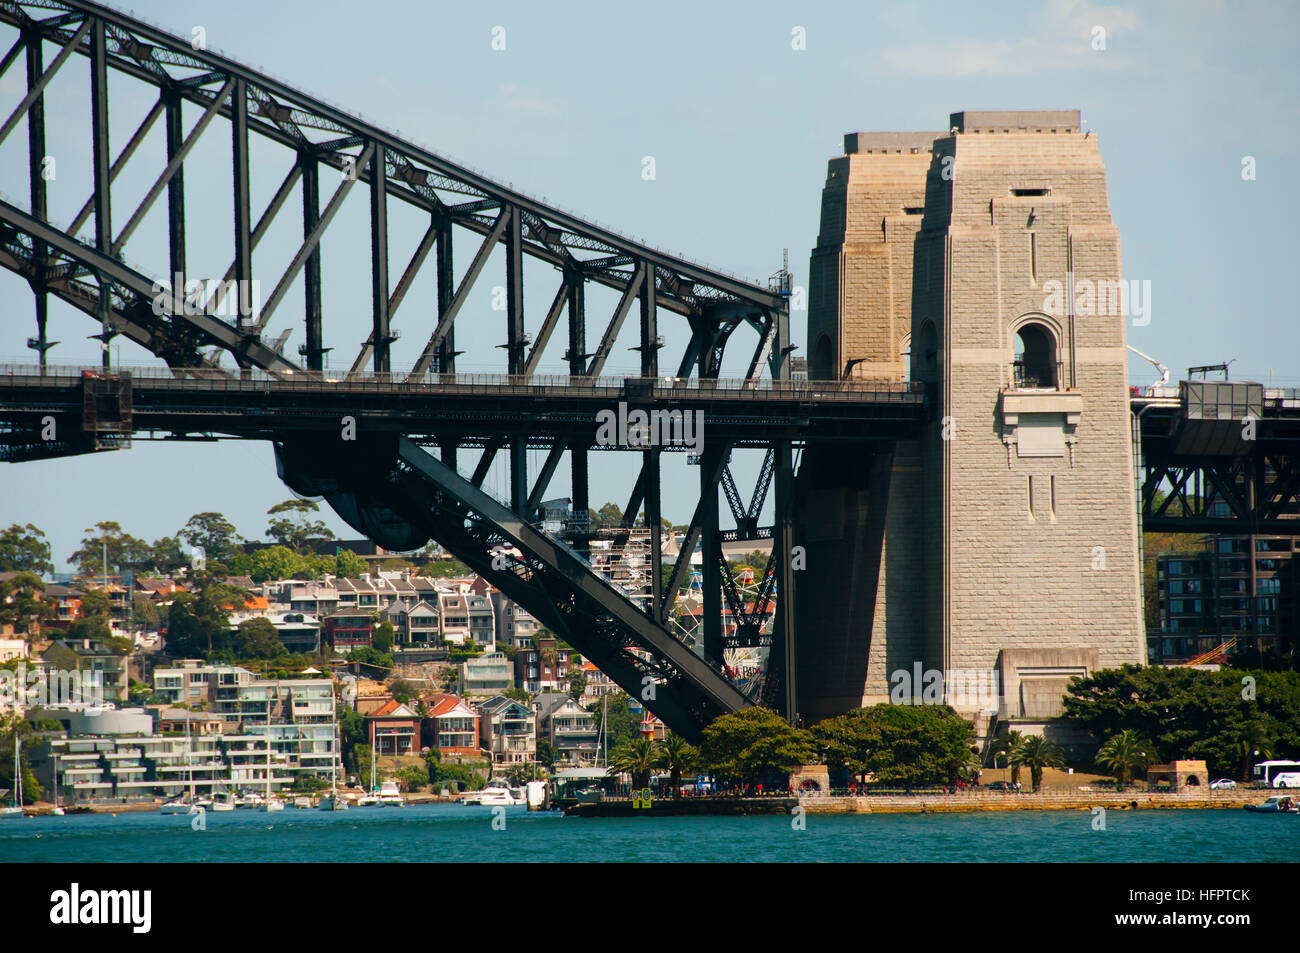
(348, 564)
(607, 517)
(402, 690)
(167, 555)
(146, 612)
(577, 681)
(1190, 713)
(411, 779)
(95, 619)
(525, 771)
(546, 753)
(290, 526)
(23, 548)
(912, 745)
(383, 637)
(107, 541)
(1125, 754)
(1006, 747)
(1036, 753)
(213, 533)
(258, 639)
(636, 758)
(364, 757)
(275, 562)
(376, 664)
(198, 623)
(678, 758)
(753, 742)
(21, 602)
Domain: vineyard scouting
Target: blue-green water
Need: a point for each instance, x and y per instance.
(456, 833)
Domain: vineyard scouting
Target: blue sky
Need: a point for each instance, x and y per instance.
(740, 126)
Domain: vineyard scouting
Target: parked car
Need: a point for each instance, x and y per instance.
(999, 786)
(1223, 784)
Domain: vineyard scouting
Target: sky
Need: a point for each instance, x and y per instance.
(740, 106)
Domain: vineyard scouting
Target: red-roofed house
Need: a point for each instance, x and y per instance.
(455, 726)
(394, 729)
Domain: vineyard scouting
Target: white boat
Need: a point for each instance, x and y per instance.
(389, 796)
(368, 800)
(57, 811)
(497, 793)
(179, 806)
(222, 801)
(270, 803)
(248, 802)
(335, 801)
(16, 809)
(183, 804)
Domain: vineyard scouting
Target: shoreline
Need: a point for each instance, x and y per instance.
(970, 803)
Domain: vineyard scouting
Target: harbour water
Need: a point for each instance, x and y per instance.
(456, 833)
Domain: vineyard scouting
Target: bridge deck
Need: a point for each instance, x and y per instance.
(473, 407)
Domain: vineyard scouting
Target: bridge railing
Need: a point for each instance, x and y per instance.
(614, 388)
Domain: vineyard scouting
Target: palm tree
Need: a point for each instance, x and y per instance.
(678, 757)
(1036, 753)
(1253, 740)
(637, 758)
(1007, 746)
(1125, 754)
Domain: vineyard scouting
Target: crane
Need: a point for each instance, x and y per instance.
(1164, 371)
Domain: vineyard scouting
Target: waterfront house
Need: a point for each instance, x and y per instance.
(507, 730)
(393, 729)
(570, 728)
(455, 726)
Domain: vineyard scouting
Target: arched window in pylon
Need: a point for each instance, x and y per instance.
(1036, 362)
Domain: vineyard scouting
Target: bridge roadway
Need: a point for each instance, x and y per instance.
(471, 409)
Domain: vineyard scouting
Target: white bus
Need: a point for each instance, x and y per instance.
(1277, 774)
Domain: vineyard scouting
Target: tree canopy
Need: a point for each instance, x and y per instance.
(24, 549)
(912, 745)
(290, 526)
(213, 533)
(754, 742)
(1222, 717)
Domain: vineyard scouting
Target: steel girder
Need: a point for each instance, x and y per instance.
(399, 494)
(1255, 493)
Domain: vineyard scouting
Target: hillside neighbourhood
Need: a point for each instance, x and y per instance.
(206, 664)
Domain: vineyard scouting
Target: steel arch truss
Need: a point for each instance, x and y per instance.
(317, 137)
(87, 265)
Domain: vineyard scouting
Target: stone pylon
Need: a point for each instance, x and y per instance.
(1001, 547)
